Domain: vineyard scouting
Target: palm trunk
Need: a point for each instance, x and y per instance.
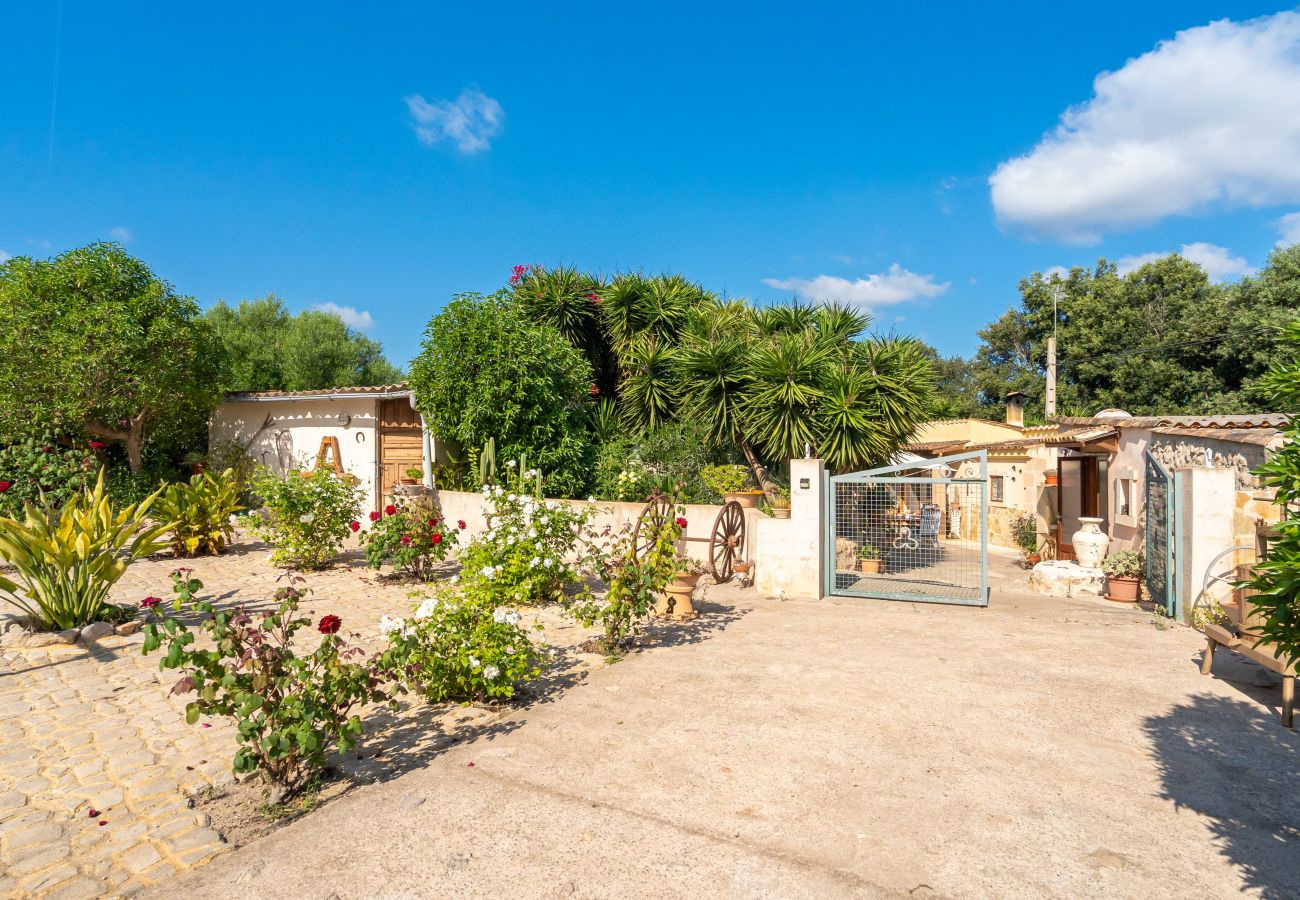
(764, 480)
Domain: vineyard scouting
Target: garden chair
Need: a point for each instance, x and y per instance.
(928, 530)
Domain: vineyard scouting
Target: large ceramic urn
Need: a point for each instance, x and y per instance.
(1089, 543)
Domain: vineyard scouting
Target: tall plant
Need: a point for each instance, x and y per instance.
(198, 513)
(68, 560)
(1277, 579)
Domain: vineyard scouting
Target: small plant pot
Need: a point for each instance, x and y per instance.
(1033, 559)
(743, 568)
(869, 566)
(780, 513)
(747, 499)
(1122, 590)
(675, 601)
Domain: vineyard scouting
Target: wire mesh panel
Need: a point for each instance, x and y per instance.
(911, 532)
(1159, 534)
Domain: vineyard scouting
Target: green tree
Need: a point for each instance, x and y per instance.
(486, 369)
(269, 348)
(93, 342)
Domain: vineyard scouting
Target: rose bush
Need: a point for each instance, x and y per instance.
(289, 710)
(532, 547)
(413, 538)
(307, 516)
(455, 646)
(42, 472)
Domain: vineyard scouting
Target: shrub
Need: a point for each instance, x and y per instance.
(461, 648)
(1124, 564)
(725, 479)
(486, 369)
(68, 560)
(670, 458)
(289, 710)
(527, 553)
(42, 472)
(198, 513)
(1024, 531)
(308, 515)
(633, 584)
(411, 536)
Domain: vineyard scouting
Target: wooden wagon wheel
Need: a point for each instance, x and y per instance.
(654, 517)
(727, 542)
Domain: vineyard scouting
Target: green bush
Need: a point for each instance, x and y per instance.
(307, 515)
(289, 710)
(725, 479)
(67, 560)
(198, 514)
(486, 370)
(460, 647)
(411, 536)
(1024, 531)
(1124, 564)
(42, 472)
(672, 458)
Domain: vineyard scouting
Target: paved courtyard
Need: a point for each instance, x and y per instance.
(1041, 747)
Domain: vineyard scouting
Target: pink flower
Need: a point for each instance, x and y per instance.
(406, 540)
(593, 298)
(150, 602)
(374, 517)
(681, 521)
(516, 273)
(355, 526)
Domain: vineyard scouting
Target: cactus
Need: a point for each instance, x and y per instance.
(487, 462)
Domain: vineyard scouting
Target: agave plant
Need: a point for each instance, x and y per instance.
(198, 514)
(67, 561)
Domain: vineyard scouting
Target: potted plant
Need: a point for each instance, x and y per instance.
(781, 505)
(413, 476)
(1123, 575)
(675, 601)
(730, 482)
(869, 559)
(743, 566)
(1024, 531)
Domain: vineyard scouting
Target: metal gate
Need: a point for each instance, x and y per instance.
(912, 531)
(1161, 540)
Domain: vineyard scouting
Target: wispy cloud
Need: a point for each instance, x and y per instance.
(470, 121)
(897, 285)
(1218, 262)
(1289, 226)
(1056, 272)
(4, 256)
(351, 316)
(1208, 119)
(121, 234)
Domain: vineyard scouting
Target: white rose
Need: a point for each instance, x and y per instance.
(491, 672)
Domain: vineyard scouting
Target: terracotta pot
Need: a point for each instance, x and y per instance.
(742, 568)
(869, 566)
(1033, 559)
(675, 601)
(1122, 590)
(779, 513)
(747, 499)
(1052, 478)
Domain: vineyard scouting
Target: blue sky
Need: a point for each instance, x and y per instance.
(910, 157)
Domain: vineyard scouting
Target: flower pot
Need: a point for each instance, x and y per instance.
(1122, 589)
(869, 566)
(1089, 543)
(747, 499)
(1033, 559)
(409, 481)
(743, 568)
(780, 513)
(675, 601)
(1052, 478)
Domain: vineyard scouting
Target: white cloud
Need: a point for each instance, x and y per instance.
(4, 256)
(121, 234)
(1218, 262)
(1057, 272)
(1289, 225)
(1210, 118)
(351, 317)
(898, 285)
(471, 120)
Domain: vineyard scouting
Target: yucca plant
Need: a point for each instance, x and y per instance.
(68, 560)
(198, 514)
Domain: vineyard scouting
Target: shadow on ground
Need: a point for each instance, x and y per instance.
(1238, 767)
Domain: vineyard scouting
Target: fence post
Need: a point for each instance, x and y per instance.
(789, 552)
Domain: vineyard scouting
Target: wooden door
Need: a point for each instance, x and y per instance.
(401, 444)
(1076, 498)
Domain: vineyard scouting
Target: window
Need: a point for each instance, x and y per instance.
(1124, 508)
(997, 488)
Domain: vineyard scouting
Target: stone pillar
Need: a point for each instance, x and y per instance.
(1206, 506)
(788, 552)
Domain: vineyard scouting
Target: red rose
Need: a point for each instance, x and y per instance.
(432, 522)
(681, 521)
(594, 391)
(150, 602)
(437, 538)
(390, 509)
(461, 524)
(97, 445)
(355, 526)
(406, 540)
(5, 485)
(330, 625)
(374, 517)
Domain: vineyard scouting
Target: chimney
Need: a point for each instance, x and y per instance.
(1016, 409)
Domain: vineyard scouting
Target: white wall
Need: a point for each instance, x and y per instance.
(294, 435)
